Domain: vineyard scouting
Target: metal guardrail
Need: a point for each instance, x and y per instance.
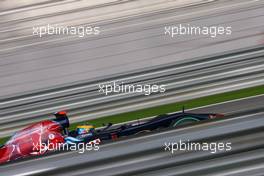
(183, 81)
(146, 155)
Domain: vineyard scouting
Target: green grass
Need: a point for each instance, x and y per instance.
(139, 114)
(3, 140)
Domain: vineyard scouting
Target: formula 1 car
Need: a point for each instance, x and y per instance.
(28, 142)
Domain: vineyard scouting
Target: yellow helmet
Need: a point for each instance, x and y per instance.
(84, 129)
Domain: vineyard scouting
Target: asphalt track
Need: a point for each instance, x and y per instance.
(146, 156)
(134, 42)
(235, 106)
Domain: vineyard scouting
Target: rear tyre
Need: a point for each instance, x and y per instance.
(184, 121)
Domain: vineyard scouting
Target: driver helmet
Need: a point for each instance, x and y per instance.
(84, 129)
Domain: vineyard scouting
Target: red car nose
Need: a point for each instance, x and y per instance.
(5, 154)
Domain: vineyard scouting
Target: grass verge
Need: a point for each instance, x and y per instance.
(3, 140)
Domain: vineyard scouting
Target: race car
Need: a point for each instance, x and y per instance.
(39, 138)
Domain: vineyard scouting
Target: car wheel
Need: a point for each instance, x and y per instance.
(184, 121)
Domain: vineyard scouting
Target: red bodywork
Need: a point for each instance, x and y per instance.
(28, 141)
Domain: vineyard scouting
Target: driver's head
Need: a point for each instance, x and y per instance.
(62, 119)
(60, 114)
(84, 129)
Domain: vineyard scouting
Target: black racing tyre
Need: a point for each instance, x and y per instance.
(184, 121)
